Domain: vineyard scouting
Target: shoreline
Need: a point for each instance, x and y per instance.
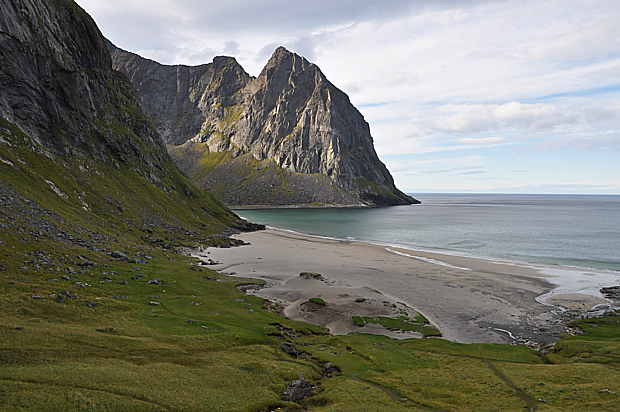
(470, 300)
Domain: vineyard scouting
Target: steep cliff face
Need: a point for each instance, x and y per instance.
(58, 87)
(290, 115)
(177, 96)
(73, 135)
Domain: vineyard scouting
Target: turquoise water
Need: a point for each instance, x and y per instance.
(568, 230)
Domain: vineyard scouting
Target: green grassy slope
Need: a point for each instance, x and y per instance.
(207, 346)
(118, 204)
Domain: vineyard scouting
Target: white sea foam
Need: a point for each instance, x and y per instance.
(427, 260)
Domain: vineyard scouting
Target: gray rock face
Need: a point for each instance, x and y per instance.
(298, 389)
(297, 132)
(176, 96)
(58, 86)
(61, 101)
(289, 348)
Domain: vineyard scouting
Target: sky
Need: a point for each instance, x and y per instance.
(461, 96)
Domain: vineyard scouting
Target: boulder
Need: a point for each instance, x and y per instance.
(311, 275)
(120, 256)
(289, 348)
(328, 369)
(298, 389)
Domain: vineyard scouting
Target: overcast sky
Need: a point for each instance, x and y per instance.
(461, 96)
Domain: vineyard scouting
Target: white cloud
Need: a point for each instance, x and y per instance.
(482, 141)
(431, 77)
(599, 38)
(468, 119)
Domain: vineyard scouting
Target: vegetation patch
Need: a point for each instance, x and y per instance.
(401, 323)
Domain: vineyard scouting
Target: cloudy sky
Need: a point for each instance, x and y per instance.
(462, 96)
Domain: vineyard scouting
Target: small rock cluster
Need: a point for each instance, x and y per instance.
(298, 389)
(612, 292)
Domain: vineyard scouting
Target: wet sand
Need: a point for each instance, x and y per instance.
(470, 300)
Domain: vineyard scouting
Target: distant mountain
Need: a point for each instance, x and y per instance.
(287, 137)
(76, 147)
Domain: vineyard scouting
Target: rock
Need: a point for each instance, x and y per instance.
(92, 304)
(289, 348)
(311, 275)
(298, 389)
(154, 303)
(155, 281)
(85, 263)
(134, 278)
(213, 278)
(124, 282)
(245, 288)
(300, 136)
(66, 294)
(328, 369)
(612, 292)
(36, 297)
(66, 277)
(120, 256)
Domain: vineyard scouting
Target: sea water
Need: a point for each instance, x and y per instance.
(579, 231)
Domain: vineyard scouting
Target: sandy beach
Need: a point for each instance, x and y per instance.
(470, 300)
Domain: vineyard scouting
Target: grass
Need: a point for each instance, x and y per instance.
(404, 323)
(318, 301)
(207, 346)
(124, 354)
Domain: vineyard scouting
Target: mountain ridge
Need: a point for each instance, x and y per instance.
(290, 114)
(75, 142)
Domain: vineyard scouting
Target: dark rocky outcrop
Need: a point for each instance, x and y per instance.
(287, 137)
(611, 292)
(58, 87)
(298, 389)
(328, 369)
(73, 131)
(289, 348)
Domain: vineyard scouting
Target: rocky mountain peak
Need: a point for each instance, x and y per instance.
(290, 115)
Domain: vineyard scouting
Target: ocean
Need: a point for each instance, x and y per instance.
(579, 231)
